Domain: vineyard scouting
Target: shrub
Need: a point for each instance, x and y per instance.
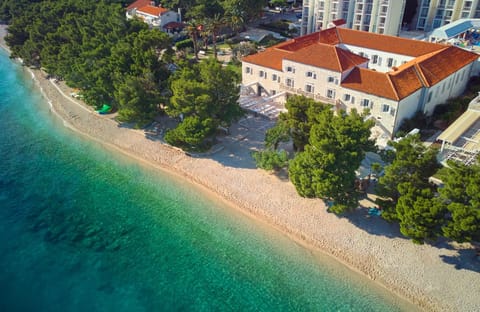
(271, 160)
(181, 45)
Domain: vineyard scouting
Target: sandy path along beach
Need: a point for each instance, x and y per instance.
(435, 278)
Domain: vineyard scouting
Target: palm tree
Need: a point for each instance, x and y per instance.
(235, 18)
(212, 27)
(192, 29)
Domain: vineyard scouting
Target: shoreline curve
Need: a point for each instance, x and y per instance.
(414, 272)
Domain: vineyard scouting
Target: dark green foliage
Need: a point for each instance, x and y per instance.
(138, 98)
(187, 43)
(277, 134)
(420, 214)
(413, 163)
(271, 159)
(93, 47)
(13, 8)
(326, 168)
(462, 193)
(419, 121)
(206, 91)
(191, 133)
(301, 116)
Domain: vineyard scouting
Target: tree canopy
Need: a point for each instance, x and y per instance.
(461, 194)
(335, 149)
(94, 48)
(201, 92)
(413, 163)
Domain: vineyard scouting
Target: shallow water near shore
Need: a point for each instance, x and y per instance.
(85, 229)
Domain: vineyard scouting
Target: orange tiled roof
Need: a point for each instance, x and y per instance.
(298, 43)
(271, 57)
(444, 63)
(339, 22)
(326, 56)
(405, 81)
(152, 10)
(387, 43)
(372, 82)
(139, 4)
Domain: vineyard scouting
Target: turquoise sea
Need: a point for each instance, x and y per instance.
(85, 229)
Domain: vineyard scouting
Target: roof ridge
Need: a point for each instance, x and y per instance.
(389, 78)
(420, 75)
(337, 57)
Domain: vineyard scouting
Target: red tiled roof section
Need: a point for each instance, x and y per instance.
(271, 57)
(339, 22)
(372, 82)
(326, 56)
(443, 64)
(153, 10)
(329, 36)
(405, 81)
(298, 43)
(139, 4)
(386, 43)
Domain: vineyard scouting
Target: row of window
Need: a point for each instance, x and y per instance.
(275, 77)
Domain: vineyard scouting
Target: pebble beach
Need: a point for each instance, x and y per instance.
(443, 277)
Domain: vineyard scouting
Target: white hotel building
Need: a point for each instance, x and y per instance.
(393, 77)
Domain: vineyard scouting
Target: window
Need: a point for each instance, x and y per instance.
(429, 96)
(392, 111)
(390, 62)
(352, 100)
(290, 69)
(385, 108)
(346, 97)
(261, 73)
(365, 103)
(374, 59)
(290, 82)
(274, 77)
(248, 70)
(330, 93)
(311, 74)
(331, 79)
(309, 88)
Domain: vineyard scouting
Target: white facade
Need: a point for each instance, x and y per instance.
(154, 16)
(378, 16)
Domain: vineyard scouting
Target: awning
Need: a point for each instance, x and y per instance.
(460, 126)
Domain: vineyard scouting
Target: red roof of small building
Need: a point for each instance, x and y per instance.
(139, 4)
(172, 25)
(153, 10)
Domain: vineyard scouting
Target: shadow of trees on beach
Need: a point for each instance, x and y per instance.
(466, 259)
(373, 224)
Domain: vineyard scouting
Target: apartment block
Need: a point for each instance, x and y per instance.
(377, 16)
(432, 14)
